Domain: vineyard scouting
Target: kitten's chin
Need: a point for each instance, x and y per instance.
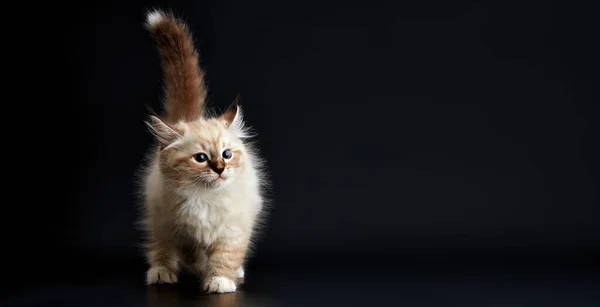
(219, 182)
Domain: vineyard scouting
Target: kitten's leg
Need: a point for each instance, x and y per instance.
(162, 259)
(200, 265)
(223, 264)
(200, 262)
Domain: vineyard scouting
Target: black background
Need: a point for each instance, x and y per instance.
(399, 135)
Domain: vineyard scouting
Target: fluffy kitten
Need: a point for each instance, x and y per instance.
(202, 187)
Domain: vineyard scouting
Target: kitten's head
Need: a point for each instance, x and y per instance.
(208, 152)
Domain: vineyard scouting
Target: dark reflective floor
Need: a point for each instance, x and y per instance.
(425, 280)
(322, 289)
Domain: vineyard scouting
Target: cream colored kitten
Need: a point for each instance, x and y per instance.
(202, 187)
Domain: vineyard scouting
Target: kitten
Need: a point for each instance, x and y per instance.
(202, 188)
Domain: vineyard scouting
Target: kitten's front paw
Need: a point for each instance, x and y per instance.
(160, 275)
(219, 284)
(239, 273)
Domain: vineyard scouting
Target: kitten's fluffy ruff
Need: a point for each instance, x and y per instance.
(192, 218)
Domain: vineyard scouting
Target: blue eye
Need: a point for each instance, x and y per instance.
(227, 154)
(201, 157)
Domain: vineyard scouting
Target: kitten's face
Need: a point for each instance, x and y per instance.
(206, 152)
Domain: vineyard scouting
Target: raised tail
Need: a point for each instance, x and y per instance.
(183, 80)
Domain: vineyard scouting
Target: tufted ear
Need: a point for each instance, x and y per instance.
(164, 133)
(234, 120)
(231, 115)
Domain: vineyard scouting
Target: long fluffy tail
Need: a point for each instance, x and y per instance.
(183, 79)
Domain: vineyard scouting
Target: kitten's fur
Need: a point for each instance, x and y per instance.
(193, 217)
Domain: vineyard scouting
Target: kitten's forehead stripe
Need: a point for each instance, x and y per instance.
(204, 144)
(208, 133)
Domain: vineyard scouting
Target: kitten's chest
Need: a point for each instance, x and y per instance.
(206, 215)
(206, 220)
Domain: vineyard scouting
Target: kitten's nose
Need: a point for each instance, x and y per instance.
(218, 167)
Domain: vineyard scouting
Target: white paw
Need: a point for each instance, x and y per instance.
(160, 275)
(219, 284)
(239, 273)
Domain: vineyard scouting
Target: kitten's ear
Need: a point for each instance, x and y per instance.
(164, 133)
(234, 120)
(231, 115)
